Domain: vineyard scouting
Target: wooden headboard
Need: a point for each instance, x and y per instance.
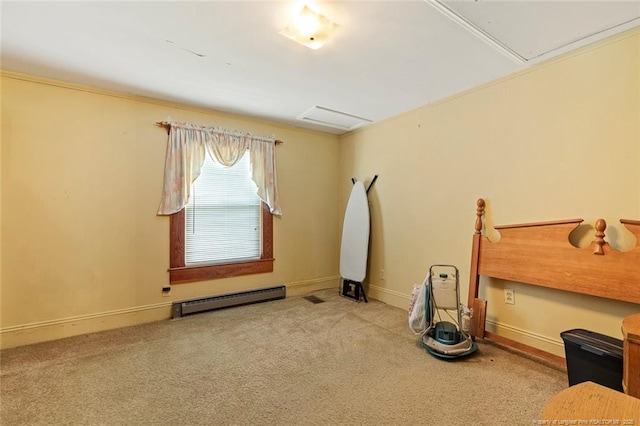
(541, 254)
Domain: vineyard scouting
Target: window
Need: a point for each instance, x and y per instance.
(225, 230)
(222, 221)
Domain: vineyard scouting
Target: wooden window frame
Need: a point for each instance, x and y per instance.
(179, 273)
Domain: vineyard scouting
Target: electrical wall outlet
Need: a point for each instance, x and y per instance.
(382, 274)
(509, 296)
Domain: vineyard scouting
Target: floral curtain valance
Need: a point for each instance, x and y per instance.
(185, 155)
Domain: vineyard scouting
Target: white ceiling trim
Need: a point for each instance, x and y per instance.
(479, 33)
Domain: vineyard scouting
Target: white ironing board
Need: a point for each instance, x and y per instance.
(354, 249)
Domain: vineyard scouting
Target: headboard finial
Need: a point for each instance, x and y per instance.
(479, 213)
(601, 225)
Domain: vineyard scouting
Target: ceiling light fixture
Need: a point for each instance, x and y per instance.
(310, 29)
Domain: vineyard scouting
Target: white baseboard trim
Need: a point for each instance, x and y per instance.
(26, 334)
(390, 297)
(297, 288)
(42, 331)
(553, 346)
(538, 341)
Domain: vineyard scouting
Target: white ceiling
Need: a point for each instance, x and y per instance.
(386, 58)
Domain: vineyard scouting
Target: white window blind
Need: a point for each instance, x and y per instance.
(223, 215)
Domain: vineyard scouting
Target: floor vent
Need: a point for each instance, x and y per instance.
(313, 299)
(193, 306)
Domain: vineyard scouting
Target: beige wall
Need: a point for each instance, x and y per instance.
(82, 247)
(557, 141)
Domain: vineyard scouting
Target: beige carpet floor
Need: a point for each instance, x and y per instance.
(286, 362)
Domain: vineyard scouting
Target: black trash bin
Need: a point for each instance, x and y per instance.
(593, 357)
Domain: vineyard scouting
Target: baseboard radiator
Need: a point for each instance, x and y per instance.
(194, 306)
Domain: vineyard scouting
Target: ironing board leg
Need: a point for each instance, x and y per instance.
(357, 288)
(363, 293)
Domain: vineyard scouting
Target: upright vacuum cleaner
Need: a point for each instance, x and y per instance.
(445, 339)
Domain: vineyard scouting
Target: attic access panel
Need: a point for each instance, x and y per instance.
(542, 29)
(333, 118)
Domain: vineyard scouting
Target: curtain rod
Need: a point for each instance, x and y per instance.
(226, 132)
